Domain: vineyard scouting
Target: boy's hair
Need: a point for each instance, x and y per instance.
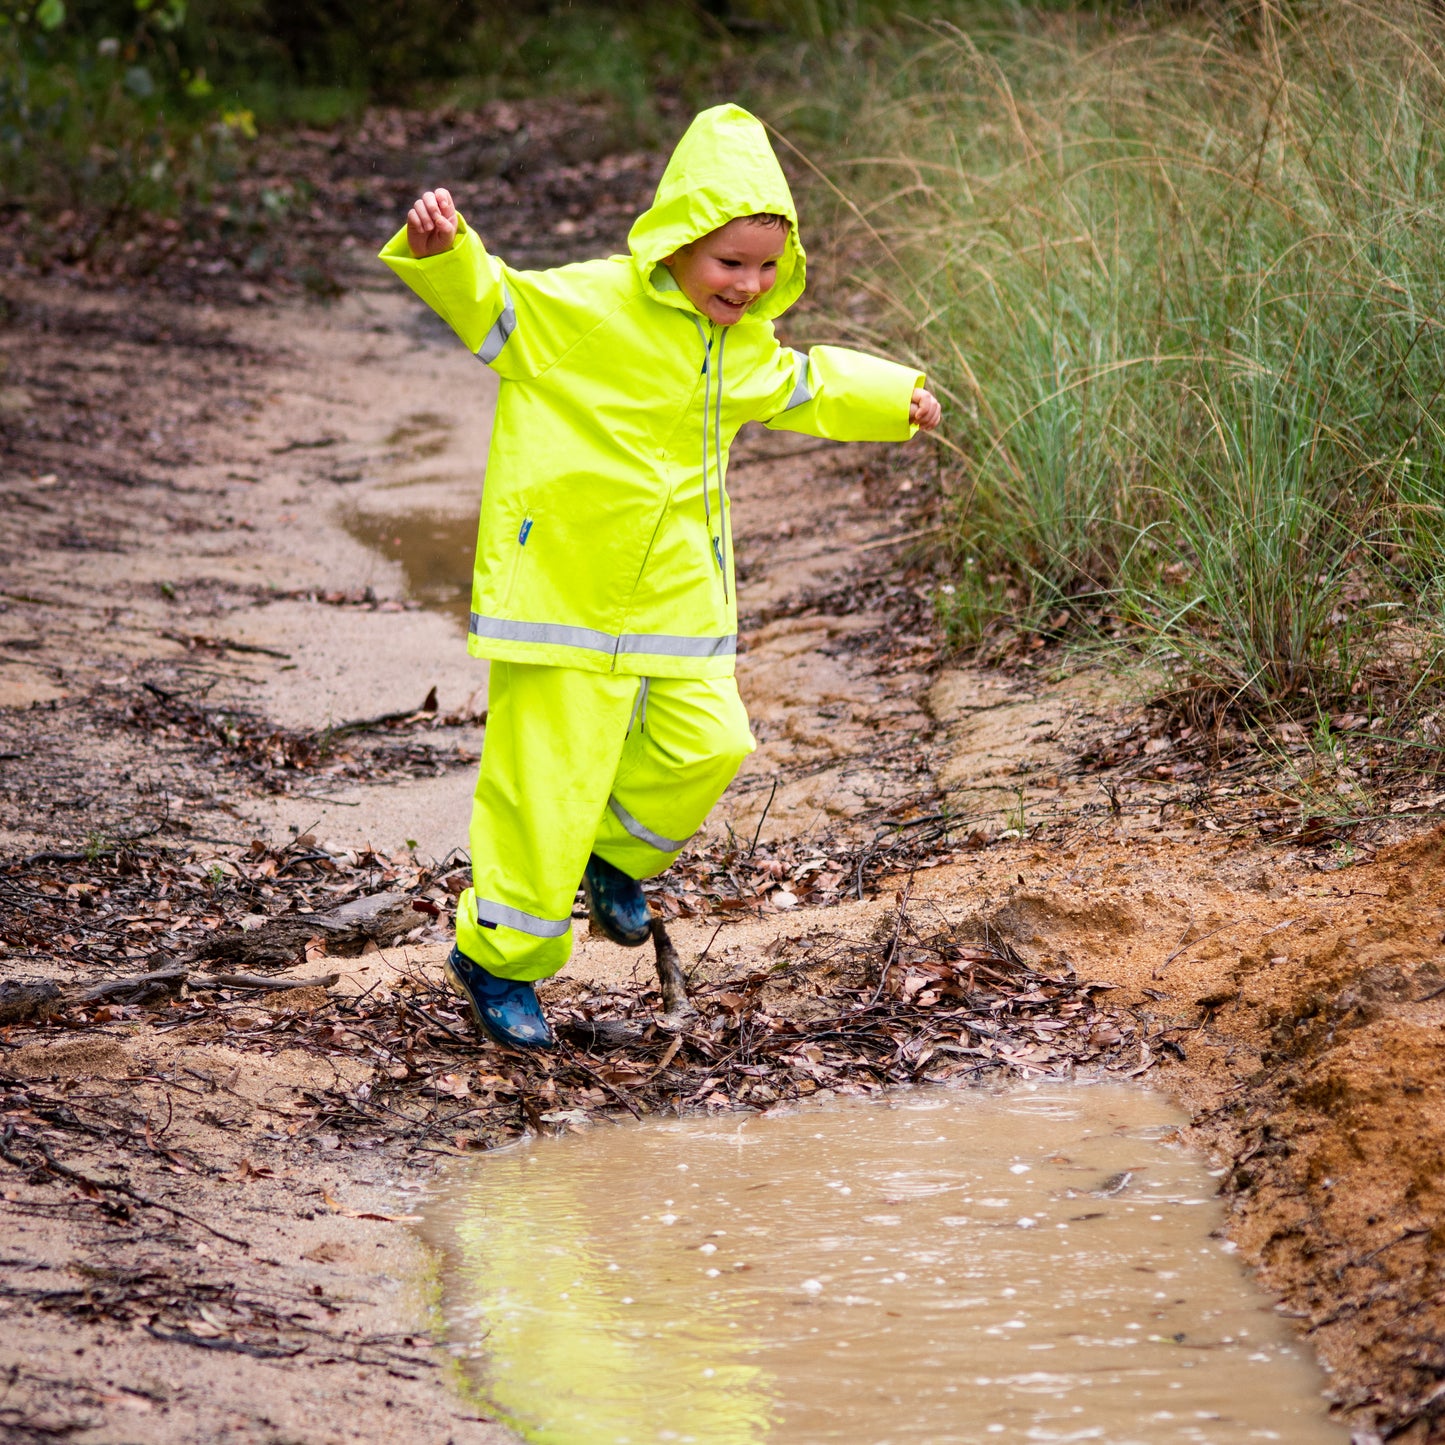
(771, 221)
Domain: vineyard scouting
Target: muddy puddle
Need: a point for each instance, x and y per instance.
(944, 1266)
(435, 551)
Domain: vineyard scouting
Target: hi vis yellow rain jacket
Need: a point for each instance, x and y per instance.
(605, 540)
(604, 590)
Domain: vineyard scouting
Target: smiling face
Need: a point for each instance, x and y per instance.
(724, 272)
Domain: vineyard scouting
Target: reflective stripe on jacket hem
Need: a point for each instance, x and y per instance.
(492, 913)
(501, 332)
(660, 644)
(643, 833)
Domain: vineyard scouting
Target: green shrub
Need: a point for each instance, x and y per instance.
(97, 132)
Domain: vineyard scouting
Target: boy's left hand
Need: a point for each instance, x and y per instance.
(924, 411)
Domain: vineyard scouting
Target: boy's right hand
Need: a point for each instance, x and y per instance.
(431, 224)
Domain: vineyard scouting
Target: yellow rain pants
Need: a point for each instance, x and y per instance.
(579, 762)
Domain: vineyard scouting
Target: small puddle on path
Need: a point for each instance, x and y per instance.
(435, 550)
(932, 1267)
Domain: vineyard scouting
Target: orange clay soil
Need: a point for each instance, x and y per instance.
(1311, 1019)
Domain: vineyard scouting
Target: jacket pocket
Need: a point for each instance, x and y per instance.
(519, 550)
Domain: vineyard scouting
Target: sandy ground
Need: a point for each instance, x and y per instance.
(316, 477)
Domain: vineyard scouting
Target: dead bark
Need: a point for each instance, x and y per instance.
(380, 918)
(603, 1033)
(130, 987)
(22, 1001)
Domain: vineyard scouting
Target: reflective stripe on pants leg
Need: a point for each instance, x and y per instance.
(489, 912)
(643, 833)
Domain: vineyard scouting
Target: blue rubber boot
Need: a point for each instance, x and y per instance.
(616, 903)
(504, 1009)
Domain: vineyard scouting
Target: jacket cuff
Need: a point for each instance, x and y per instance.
(397, 253)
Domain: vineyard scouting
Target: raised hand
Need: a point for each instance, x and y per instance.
(924, 411)
(431, 224)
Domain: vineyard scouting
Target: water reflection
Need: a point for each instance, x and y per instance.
(939, 1267)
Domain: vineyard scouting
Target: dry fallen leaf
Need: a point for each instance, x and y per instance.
(246, 1170)
(346, 1213)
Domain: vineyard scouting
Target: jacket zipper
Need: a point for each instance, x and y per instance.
(523, 533)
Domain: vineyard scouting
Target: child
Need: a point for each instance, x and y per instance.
(603, 591)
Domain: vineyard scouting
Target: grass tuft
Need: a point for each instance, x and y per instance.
(1181, 284)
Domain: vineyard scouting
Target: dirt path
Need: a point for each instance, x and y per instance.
(196, 604)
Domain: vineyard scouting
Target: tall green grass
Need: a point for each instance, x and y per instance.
(1182, 283)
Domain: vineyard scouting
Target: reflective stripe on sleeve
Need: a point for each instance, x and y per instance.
(803, 386)
(501, 332)
(557, 634)
(490, 912)
(643, 833)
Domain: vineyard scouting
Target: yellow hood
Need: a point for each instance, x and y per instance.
(723, 168)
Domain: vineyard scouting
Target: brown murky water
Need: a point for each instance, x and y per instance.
(436, 552)
(1038, 1265)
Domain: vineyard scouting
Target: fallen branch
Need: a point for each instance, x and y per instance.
(22, 1002)
(251, 980)
(676, 1006)
(169, 980)
(108, 1186)
(379, 918)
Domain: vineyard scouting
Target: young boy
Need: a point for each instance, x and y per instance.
(603, 591)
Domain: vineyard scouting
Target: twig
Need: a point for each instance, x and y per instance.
(86, 1182)
(1374, 1254)
(436, 1023)
(386, 719)
(593, 1074)
(719, 929)
(862, 863)
(239, 1347)
(223, 644)
(892, 952)
(90, 856)
(763, 818)
(1185, 947)
(902, 537)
